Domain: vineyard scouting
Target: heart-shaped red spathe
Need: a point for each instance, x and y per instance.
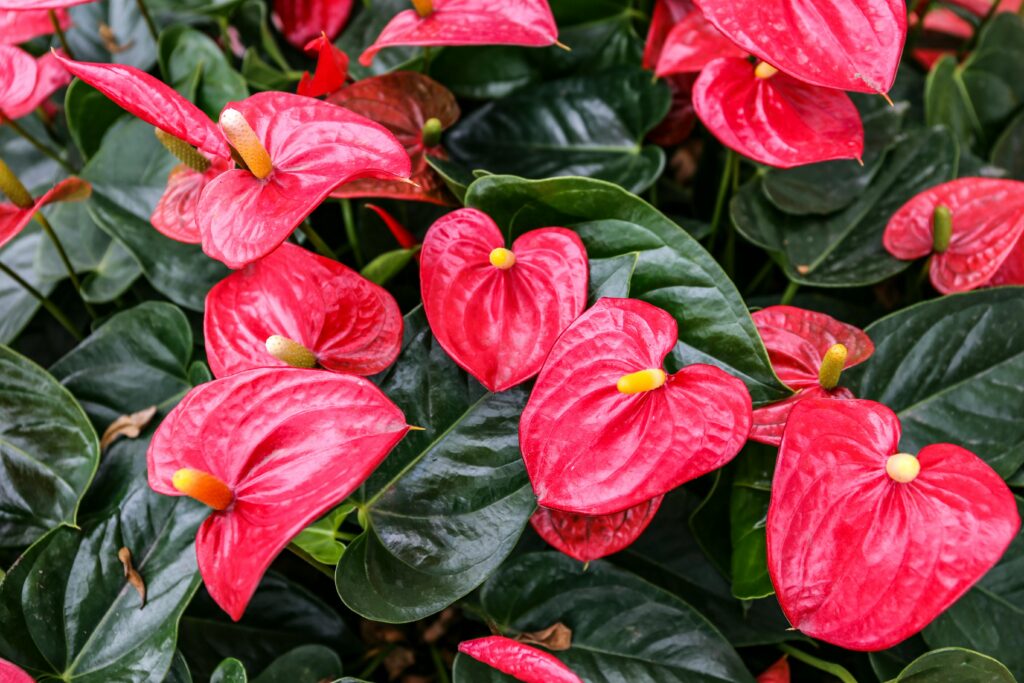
(349, 323)
(519, 660)
(20, 26)
(591, 537)
(498, 324)
(303, 20)
(469, 22)
(859, 559)
(988, 222)
(691, 44)
(175, 213)
(402, 102)
(624, 449)
(13, 219)
(289, 444)
(779, 120)
(314, 146)
(843, 44)
(665, 15)
(11, 673)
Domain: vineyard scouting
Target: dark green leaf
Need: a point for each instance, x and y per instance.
(17, 305)
(388, 265)
(306, 664)
(229, 671)
(1008, 152)
(183, 52)
(454, 176)
(845, 249)
(955, 665)
(623, 628)
(129, 39)
(953, 370)
(748, 516)
(89, 115)
(263, 76)
(636, 251)
(48, 452)
(179, 672)
(449, 503)
(591, 125)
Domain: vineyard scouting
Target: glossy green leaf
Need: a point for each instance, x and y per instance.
(184, 52)
(953, 370)
(389, 264)
(129, 174)
(449, 503)
(306, 664)
(845, 249)
(955, 665)
(17, 305)
(591, 125)
(636, 251)
(138, 358)
(48, 452)
(457, 178)
(1008, 151)
(179, 672)
(229, 671)
(67, 609)
(263, 76)
(748, 517)
(320, 539)
(129, 41)
(89, 115)
(623, 628)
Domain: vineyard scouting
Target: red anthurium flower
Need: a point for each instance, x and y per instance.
(11, 673)
(970, 226)
(776, 673)
(845, 44)
(775, 119)
(866, 545)
(303, 20)
(808, 351)
(637, 432)
(691, 44)
(417, 109)
(519, 660)
(26, 82)
(665, 15)
(269, 450)
(591, 537)
(293, 307)
(296, 150)
(468, 22)
(16, 214)
(497, 312)
(19, 26)
(175, 213)
(331, 68)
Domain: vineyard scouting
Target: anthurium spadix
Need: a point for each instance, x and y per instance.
(808, 351)
(294, 150)
(495, 310)
(468, 22)
(294, 307)
(773, 118)
(521, 661)
(269, 451)
(973, 228)
(867, 545)
(591, 537)
(21, 206)
(843, 44)
(636, 431)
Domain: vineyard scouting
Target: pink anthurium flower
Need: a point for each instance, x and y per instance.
(637, 432)
(294, 307)
(26, 5)
(19, 26)
(519, 660)
(17, 213)
(331, 69)
(867, 545)
(691, 44)
(26, 82)
(846, 44)
(665, 15)
(773, 118)
(497, 311)
(270, 450)
(973, 228)
(591, 537)
(808, 351)
(11, 673)
(776, 673)
(468, 22)
(303, 20)
(295, 150)
(417, 109)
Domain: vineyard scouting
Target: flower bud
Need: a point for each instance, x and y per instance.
(432, 132)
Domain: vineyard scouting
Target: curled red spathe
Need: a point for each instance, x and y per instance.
(519, 660)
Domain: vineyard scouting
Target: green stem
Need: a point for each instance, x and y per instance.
(426, 60)
(723, 192)
(50, 307)
(766, 269)
(17, 128)
(439, 666)
(790, 292)
(828, 667)
(48, 229)
(144, 11)
(318, 242)
(319, 566)
(350, 231)
(60, 35)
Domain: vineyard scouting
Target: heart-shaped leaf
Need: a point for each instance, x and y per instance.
(587, 125)
(443, 512)
(954, 665)
(89, 115)
(637, 252)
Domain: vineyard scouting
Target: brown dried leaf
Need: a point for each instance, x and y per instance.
(110, 40)
(127, 425)
(439, 627)
(556, 638)
(134, 578)
(398, 660)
